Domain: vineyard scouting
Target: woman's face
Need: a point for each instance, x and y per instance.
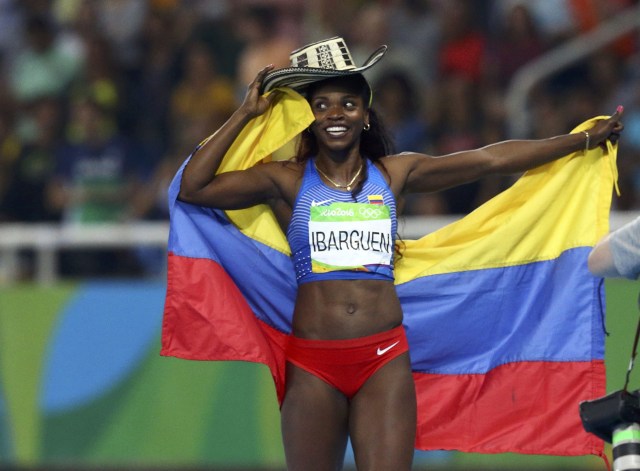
(340, 115)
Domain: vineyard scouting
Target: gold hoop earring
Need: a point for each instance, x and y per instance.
(367, 126)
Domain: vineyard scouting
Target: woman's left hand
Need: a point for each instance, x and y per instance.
(606, 129)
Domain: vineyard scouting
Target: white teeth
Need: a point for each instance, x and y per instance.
(336, 129)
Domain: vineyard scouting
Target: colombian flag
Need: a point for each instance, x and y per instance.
(504, 320)
(376, 199)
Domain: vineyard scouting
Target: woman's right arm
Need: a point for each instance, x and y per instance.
(230, 190)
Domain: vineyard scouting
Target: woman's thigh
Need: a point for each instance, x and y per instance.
(314, 423)
(382, 418)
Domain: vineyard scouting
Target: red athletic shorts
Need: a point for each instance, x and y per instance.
(347, 364)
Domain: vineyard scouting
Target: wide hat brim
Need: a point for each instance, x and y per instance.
(299, 77)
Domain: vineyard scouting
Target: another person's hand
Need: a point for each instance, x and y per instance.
(606, 129)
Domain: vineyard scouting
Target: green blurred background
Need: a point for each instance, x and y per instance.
(82, 386)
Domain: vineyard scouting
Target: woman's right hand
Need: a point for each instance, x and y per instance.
(606, 130)
(254, 103)
(200, 184)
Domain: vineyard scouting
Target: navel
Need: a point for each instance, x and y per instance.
(351, 308)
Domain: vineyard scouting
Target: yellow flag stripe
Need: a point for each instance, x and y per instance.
(555, 207)
(289, 115)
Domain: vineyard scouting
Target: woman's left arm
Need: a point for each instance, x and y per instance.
(418, 173)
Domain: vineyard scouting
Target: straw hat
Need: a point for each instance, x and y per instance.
(318, 61)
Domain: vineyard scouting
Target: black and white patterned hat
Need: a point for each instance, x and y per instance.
(318, 61)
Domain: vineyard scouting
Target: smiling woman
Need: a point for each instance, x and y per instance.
(348, 371)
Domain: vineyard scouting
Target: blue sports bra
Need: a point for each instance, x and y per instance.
(333, 237)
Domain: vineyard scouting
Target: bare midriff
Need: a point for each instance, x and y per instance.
(344, 309)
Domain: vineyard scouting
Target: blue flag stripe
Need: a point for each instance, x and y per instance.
(471, 322)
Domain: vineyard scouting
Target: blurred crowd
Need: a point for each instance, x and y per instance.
(102, 100)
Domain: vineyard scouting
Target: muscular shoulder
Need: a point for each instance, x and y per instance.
(397, 167)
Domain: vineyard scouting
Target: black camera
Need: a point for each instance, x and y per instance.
(603, 415)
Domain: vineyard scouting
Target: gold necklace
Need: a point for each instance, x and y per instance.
(338, 185)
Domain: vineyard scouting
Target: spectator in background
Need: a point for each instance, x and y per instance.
(219, 31)
(156, 74)
(515, 42)
(26, 199)
(398, 100)
(45, 68)
(366, 34)
(150, 203)
(100, 75)
(414, 29)
(463, 48)
(554, 18)
(546, 113)
(257, 27)
(11, 25)
(10, 147)
(27, 175)
(203, 99)
(141, 66)
(588, 14)
(95, 168)
(410, 27)
(458, 129)
(95, 180)
(121, 23)
(40, 74)
(605, 72)
(326, 18)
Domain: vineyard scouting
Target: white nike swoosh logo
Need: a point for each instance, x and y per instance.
(382, 351)
(319, 203)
